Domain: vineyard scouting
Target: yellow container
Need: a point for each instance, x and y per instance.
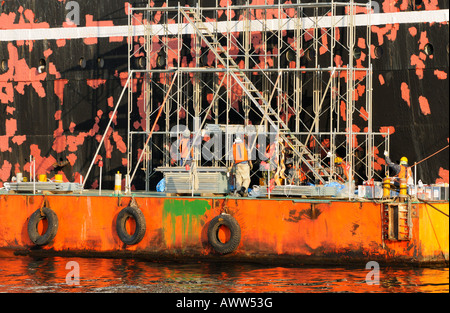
(58, 178)
(42, 177)
(386, 187)
(403, 187)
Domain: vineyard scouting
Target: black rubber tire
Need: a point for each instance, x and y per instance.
(139, 218)
(235, 233)
(52, 229)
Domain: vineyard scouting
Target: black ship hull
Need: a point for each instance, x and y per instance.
(58, 113)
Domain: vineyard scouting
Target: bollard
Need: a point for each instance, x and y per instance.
(42, 178)
(386, 187)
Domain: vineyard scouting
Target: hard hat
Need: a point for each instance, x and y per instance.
(186, 133)
(338, 160)
(403, 161)
(238, 140)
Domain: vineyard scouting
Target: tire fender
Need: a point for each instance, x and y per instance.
(235, 233)
(122, 218)
(52, 229)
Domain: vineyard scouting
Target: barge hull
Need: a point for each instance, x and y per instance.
(302, 231)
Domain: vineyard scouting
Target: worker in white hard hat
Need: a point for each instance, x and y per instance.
(401, 170)
(242, 170)
(186, 153)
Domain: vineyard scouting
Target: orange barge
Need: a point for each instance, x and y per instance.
(292, 231)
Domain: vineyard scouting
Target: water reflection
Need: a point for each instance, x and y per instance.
(23, 274)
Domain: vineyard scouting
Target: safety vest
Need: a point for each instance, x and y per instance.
(301, 176)
(270, 150)
(239, 153)
(185, 147)
(405, 172)
(346, 168)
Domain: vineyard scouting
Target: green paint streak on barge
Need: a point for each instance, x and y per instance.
(190, 211)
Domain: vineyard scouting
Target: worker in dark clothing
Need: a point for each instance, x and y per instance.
(401, 170)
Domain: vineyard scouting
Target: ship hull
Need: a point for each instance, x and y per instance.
(273, 231)
(61, 114)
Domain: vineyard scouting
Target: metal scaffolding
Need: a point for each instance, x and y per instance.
(293, 77)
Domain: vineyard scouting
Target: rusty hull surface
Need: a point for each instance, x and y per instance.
(272, 231)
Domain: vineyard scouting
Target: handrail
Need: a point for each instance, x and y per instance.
(107, 128)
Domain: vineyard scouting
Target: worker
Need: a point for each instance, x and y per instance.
(401, 170)
(186, 153)
(342, 169)
(63, 166)
(242, 169)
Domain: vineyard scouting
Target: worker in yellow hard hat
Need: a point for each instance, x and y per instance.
(401, 170)
(342, 169)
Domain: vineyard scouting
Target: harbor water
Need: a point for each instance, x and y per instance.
(95, 275)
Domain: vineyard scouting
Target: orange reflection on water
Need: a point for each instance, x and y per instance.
(23, 274)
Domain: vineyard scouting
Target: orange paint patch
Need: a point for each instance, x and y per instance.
(72, 158)
(338, 60)
(405, 93)
(119, 142)
(387, 129)
(59, 89)
(440, 74)
(10, 127)
(431, 4)
(342, 109)
(18, 140)
(423, 40)
(364, 114)
(418, 63)
(90, 41)
(43, 164)
(60, 42)
(393, 32)
(111, 102)
(362, 43)
(95, 83)
(443, 176)
(389, 6)
(413, 31)
(389, 30)
(4, 144)
(47, 53)
(424, 105)
(5, 171)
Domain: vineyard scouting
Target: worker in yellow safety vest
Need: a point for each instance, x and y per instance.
(401, 170)
(242, 167)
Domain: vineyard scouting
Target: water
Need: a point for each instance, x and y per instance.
(55, 275)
